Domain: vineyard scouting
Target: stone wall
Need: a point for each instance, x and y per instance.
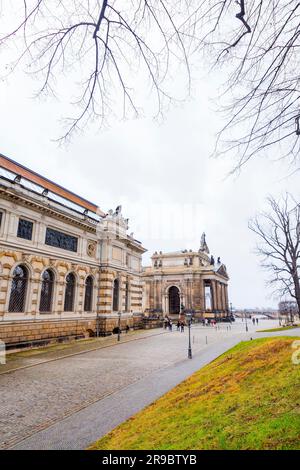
(25, 333)
(149, 323)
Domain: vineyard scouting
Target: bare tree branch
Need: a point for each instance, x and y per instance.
(254, 43)
(279, 233)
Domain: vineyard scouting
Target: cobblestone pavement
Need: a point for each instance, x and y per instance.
(31, 357)
(34, 398)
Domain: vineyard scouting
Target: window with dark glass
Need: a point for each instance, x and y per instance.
(69, 293)
(116, 296)
(61, 240)
(18, 289)
(88, 298)
(25, 228)
(46, 291)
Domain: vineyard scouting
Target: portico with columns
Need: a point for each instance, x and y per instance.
(186, 280)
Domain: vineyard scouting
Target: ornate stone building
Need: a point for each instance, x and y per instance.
(185, 279)
(69, 269)
(66, 267)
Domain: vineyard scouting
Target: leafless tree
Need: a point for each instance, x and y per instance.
(107, 47)
(279, 232)
(111, 45)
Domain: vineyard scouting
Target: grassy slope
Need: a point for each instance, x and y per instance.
(281, 328)
(246, 399)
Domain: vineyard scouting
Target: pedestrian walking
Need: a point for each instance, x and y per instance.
(257, 321)
(170, 325)
(182, 327)
(178, 325)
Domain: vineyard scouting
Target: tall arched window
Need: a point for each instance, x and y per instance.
(116, 296)
(69, 293)
(88, 298)
(46, 291)
(18, 289)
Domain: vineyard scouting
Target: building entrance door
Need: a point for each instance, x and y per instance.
(174, 300)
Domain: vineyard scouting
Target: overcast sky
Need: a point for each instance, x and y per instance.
(161, 173)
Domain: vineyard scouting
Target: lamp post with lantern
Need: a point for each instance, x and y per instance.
(119, 326)
(188, 316)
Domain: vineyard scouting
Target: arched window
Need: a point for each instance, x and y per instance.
(46, 291)
(116, 296)
(69, 293)
(18, 289)
(88, 298)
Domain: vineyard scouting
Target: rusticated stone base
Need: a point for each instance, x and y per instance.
(25, 333)
(149, 323)
(18, 334)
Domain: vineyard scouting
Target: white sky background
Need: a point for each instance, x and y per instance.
(161, 173)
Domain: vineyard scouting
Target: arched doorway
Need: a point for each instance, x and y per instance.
(174, 300)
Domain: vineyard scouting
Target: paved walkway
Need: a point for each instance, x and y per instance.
(69, 403)
(89, 424)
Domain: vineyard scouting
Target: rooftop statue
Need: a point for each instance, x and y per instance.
(203, 245)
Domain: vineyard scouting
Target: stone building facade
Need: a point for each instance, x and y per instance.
(66, 267)
(186, 280)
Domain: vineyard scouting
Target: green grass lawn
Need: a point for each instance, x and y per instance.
(281, 328)
(248, 398)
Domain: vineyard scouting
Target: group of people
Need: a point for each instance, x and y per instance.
(255, 320)
(168, 324)
(209, 322)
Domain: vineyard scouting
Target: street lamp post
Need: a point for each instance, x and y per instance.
(231, 315)
(97, 325)
(119, 326)
(189, 319)
(246, 322)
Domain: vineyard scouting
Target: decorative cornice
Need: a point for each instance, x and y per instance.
(12, 195)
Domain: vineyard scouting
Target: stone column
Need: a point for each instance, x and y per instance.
(226, 297)
(158, 295)
(166, 307)
(202, 296)
(33, 291)
(221, 296)
(188, 296)
(214, 295)
(146, 293)
(106, 291)
(217, 295)
(7, 261)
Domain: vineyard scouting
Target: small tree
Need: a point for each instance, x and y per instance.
(279, 246)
